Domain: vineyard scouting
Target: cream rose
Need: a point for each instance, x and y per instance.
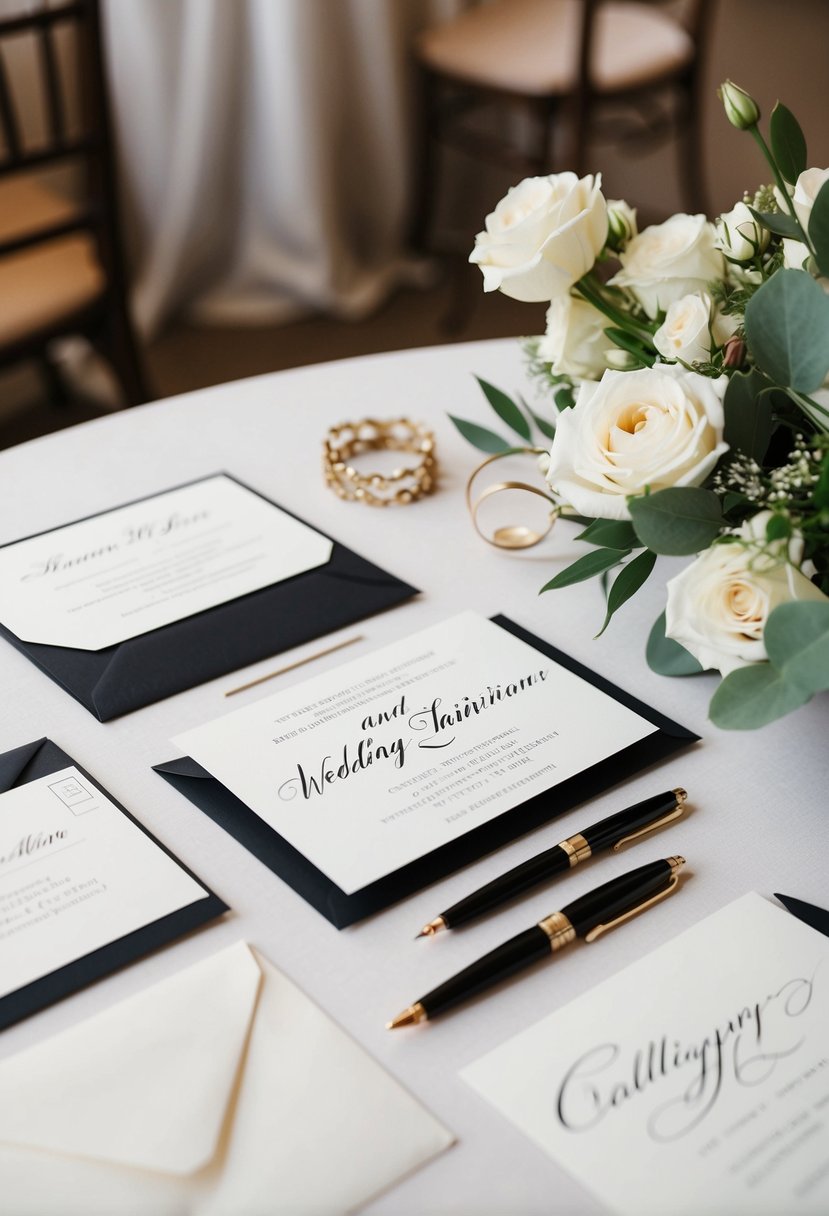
(691, 329)
(632, 430)
(718, 606)
(669, 261)
(542, 237)
(575, 341)
(739, 236)
(807, 187)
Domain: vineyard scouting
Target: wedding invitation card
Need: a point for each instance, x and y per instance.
(132, 569)
(145, 600)
(695, 1080)
(367, 769)
(80, 882)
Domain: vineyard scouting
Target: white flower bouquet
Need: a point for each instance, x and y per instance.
(689, 366)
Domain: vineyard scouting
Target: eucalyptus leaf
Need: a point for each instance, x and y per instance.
(778, 223)
(797, 642)
(480, 437)
(666, 657)
(586, 567)
(680, 521)
(778, 527)
(614, 533)
(754, 696)
(788, 143)
(627, 582)
(819, 228)
(787, 330)
(506, 409)
(547, 429)
(748, 416)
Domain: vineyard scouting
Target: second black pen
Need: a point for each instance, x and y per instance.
(629, 824)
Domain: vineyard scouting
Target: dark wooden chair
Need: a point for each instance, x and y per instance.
(613, 69)
(61, 266)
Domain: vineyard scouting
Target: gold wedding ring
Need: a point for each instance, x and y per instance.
(509, 536)
(402, 486)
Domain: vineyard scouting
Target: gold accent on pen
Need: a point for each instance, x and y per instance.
(433, 927)
(558, 929)
(415, 1013)
(680, 795)
(676, 864)
(576, 848)
(291, 666)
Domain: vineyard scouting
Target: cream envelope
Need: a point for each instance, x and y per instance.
(222, 1091)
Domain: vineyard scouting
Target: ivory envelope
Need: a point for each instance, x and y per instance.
(222, 1091)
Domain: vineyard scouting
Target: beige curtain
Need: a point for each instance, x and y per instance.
(264, 148)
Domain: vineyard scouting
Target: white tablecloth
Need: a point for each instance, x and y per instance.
(759, 818)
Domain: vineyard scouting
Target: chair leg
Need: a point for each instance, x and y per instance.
(53, 382)
(424, 162)
(119, 347)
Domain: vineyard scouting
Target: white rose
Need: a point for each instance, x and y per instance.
(718, 606)
(575, 341)
(691, 329)
(655, 428)
(807, 187)
(739, 236)
(543, 236)
(669, 261)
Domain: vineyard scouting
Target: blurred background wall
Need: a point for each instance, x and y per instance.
(265, 150)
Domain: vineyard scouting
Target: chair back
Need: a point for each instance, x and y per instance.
(78, 134)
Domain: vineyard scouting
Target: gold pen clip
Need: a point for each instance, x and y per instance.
(676, 813)
(676, 863)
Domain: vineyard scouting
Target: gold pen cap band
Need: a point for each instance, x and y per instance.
(558, 929)
(576, 848)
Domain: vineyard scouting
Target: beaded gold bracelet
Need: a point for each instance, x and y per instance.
(400, 487)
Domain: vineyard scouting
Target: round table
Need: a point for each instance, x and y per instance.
(757, 816)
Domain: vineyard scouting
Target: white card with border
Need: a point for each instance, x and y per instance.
(125, 572)
(384, 759)
(75, 875)
(695, 1080)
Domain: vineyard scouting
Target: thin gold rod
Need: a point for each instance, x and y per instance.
(291, 666)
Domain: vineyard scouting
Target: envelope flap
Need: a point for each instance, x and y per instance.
(146, 1083)
(14, 762)
(182, 766)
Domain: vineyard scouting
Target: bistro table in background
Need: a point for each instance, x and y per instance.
(758, 817)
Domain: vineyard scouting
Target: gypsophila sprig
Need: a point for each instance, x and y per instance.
(686, 368)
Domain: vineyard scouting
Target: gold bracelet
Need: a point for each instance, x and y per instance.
(406, 484)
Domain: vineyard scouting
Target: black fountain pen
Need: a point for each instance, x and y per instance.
(609, 905)
(611, 833)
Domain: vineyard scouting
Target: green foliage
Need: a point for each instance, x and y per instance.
(753, 696)
(778, 223)
(585, 567)
(614, 533)
(788, 143)
(506, 409)
(819, 229)
(679, 521)
(787, 330)
(748, 416)
(666, 657)
(480, 437)
(627, 582)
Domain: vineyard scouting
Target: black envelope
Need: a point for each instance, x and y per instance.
(341, 909)
(165, 661)
(39, 759)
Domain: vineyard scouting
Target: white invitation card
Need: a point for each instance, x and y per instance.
(120, 574)
(377, 763)
(696, 1080)
(75, 875)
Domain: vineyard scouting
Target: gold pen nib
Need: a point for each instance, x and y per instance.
(415, 1013)
(433, 927)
